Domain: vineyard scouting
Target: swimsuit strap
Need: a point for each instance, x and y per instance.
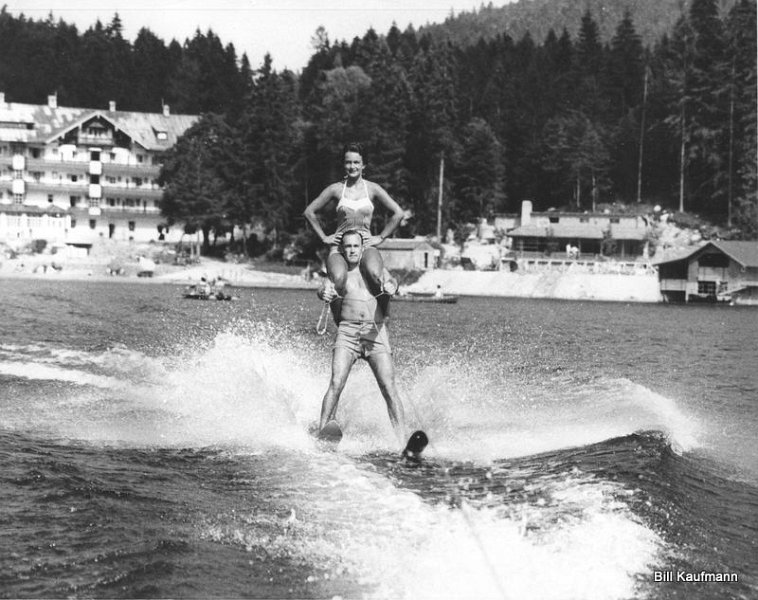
(344, 187)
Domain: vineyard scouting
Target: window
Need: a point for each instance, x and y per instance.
(131, 225)
(92, 223)
(615, 220)
(94, 178)
(140, 158)
(73, 178)
(18, 198)
(73, 223)
(138, 181)
(35, 152)
(584, 219)
(74, 200)
(94, 202)
(554, 219)
(706, 288)
(36, 175)
(94, 155)
(50, 198)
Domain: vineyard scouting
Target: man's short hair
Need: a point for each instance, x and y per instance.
(350, 232)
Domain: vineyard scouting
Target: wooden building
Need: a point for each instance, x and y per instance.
(553, 232)
(409, 254)
(715, 272)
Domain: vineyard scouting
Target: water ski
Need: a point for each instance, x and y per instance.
(330, 433)
(415, 446)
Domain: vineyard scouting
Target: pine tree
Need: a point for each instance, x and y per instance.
(267, 140)
(478, 175)
(433, 122)
(152, 64)
(195, 191)
(741, 93)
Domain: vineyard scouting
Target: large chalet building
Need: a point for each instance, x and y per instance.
(75, 175)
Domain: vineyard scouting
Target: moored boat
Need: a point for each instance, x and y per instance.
(434, 298)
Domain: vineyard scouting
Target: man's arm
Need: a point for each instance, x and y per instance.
(327, 293)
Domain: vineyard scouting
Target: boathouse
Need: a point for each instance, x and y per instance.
(716, 272)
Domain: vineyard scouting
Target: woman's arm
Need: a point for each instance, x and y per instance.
(310, 213)
(383, 198)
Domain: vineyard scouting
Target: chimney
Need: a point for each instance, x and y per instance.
(112, 105)
(52, 100)
(526, 212)
(166, 110)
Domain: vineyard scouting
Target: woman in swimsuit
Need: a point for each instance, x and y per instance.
(356, 199)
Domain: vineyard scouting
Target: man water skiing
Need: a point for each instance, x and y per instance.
(362, 333)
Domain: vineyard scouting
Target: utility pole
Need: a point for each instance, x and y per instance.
(642, 137)
(439, 198)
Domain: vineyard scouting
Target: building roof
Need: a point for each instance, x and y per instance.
(585, 231)
(35, 123)
(744, 253)
(405, 244)
(30, 209)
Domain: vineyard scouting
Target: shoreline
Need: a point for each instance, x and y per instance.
(233, 274)
(548, 285)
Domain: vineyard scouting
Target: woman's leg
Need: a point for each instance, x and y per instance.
(336, 269)
(372, 269)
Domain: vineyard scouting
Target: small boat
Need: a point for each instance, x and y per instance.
(192, 293)
(420, 297)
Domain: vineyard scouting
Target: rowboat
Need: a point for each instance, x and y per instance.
(434, 298)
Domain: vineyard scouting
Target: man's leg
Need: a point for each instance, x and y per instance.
(384, 371)
(342, 362)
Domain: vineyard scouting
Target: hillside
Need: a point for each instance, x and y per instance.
(651, 19)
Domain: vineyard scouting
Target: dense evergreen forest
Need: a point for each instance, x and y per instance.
(568, 121)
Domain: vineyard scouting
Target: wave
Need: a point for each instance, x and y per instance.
(261, 388)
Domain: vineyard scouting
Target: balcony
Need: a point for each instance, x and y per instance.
(106, 210)
(143, 191)
(59, 186)
(40, 164)
(131, 170)
(105, 140)
(108, 168)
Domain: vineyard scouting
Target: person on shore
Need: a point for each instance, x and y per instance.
(361, 321)
(356, 199)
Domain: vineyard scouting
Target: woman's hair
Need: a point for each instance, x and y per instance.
(355, 147)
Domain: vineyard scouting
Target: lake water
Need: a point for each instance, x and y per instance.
(159, 447)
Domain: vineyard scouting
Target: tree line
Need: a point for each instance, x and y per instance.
(571, 122)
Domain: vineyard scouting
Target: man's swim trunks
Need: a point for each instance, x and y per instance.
(363, 338)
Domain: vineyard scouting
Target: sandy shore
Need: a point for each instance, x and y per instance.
(234, 274)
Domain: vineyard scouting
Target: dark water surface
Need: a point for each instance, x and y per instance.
(157, 447)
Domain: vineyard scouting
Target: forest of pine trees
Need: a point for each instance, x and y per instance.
(567, 122)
